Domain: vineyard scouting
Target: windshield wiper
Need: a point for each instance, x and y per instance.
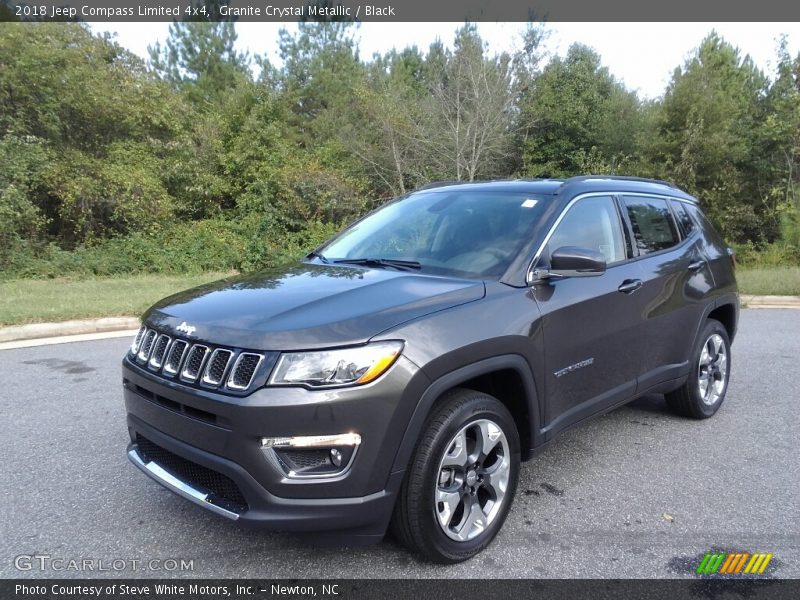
(315, 254)
(406, 265)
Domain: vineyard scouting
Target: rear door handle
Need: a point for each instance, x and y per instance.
(697, 265)
(630, 285)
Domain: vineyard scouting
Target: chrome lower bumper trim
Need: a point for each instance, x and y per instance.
(169, 481)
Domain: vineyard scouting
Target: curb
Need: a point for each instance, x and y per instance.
(35, 331)
(47, 330)
(750, 301)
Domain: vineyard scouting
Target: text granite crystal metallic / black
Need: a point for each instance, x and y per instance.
(399, 374)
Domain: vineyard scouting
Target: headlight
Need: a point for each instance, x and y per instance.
(336, 367)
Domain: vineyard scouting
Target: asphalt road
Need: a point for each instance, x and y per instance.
(635, 493)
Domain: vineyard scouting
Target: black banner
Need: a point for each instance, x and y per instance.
(399, 10)
(440, 589)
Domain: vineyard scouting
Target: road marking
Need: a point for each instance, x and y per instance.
(65, 339)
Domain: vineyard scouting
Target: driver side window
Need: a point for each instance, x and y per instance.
(592, 223)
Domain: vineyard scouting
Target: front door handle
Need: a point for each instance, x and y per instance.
(630, 285)
(697, 265)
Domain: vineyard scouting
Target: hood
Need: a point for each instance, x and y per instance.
(308, 306)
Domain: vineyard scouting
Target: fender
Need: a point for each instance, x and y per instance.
(460, 375)
(676, 374)
(729, 298)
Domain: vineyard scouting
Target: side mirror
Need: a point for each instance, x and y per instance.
(571, 261)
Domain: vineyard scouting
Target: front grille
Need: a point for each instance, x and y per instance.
(137, 341)
(204, 479)
(244, 370)
(147, 346)
(194, 362)
(225, 369)
(176, 353)
(217, 365)
(159, 350)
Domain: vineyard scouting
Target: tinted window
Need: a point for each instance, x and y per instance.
(592, 223)
(703, 222)
(684, 220)
(652, 224)
(473, 233)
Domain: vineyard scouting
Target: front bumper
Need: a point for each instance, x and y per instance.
(192, 435)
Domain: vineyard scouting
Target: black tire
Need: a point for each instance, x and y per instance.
(688, 400)
(415, 522)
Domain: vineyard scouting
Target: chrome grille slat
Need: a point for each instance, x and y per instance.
(244, 370)
(175, 357)
(159, 352)
(147, 346)
(137, 341)
(195, 359)
(216, 367)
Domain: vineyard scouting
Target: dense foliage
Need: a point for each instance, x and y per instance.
(188, 162)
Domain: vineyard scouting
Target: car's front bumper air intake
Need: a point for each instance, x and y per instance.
(201, 485)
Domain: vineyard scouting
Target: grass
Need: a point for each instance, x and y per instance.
(769, 281)
(43, 300)
(48, 300)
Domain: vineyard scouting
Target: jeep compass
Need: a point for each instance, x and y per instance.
(400, 373)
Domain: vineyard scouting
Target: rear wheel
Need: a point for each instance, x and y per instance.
(704, 391)
(462, 479)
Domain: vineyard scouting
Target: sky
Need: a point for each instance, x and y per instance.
(642, 55)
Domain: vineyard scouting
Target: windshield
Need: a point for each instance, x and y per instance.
(461, 233)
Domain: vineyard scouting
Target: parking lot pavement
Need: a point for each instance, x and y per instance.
(635, 493)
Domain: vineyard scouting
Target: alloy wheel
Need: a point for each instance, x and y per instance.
(712, 369)
(472, 480)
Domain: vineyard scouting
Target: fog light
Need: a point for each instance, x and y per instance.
(314, 456)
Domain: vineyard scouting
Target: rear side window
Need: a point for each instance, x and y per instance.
(652, 223)
(684, 219)
(704, 223)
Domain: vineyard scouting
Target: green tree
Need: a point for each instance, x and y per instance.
(471, 110)
(320, 72)
(24, 159)
(100, 119)
(200, 59)
(383, 132)
(711, 118)
(575, 117)
(778, 160)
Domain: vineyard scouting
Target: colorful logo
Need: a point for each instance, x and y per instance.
(734, 563)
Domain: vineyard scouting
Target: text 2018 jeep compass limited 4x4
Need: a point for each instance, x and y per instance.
(402, 371)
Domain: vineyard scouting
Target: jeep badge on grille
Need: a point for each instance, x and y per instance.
(186, 328)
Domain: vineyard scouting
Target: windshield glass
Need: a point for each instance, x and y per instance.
(461, 233)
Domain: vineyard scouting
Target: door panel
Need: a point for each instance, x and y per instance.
(589, 325)
(590, 329)
(675, 281)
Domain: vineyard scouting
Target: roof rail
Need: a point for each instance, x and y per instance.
(436, 184)
(619, 178)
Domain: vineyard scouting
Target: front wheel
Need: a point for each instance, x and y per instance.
(704, 391)
(462, 479)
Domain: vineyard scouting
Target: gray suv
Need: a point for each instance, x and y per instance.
(397, 377)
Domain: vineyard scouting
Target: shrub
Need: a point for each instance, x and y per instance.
(250, 244)
(770, 255)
